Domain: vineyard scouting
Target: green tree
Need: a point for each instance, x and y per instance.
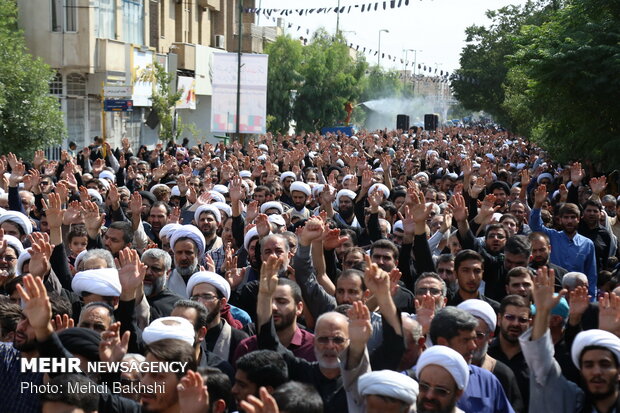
(164, 100)
(331, 77)
(283, 77)
(563, 83)
(378, 84)
(480, 80)
(30, 118)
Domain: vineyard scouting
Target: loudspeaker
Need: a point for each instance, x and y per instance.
(402, 122)
(431, 121)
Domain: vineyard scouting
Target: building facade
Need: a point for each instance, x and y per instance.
(97, 43)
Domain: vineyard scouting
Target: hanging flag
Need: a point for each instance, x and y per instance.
(384, 5)
(363, 7)
(392, 4)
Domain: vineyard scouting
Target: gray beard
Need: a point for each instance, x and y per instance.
(185, 273)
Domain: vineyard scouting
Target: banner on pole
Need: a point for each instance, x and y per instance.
(253, 93)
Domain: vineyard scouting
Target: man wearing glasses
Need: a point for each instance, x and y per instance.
(514, 320)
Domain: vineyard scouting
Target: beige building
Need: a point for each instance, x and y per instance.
(92, 43)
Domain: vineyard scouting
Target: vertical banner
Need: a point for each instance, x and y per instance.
(187, 85)
(143, 77)
(253, 100)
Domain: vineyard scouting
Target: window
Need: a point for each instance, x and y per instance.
(133, 21)
(56, 85)
(76, 85)
(57, 15)
(105, 18)
(75, 120)
(71, 15)
(64, 15)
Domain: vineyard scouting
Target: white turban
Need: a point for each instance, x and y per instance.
(102, 281)
(19, 219)
(93, 193)
(248, 237)
(545, 175)
(271, 205)
(208, 277)
(15, 243)
(480, 309)
(388, 383)
(191, 232)
(79, 258)
(245, 174)
(277, 219)
(263, 157)
(263, 147)
(23, 257)
(447, 358)
(301, 187)
(317, 189)
(347, 177)
(287, 174)
(222, 189)
(104, 182)
(595, 337)
(168, 229)
(154, 187)
(175, 191)
(177, 328)
(422, 175)
(345, 192)
(382, 188)
(223, 207)
(107, 174)
(398, 225)
(208, 208)
(217, 197)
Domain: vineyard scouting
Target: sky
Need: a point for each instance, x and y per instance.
(435, 28)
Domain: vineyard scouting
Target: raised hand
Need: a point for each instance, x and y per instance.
(39, 158)
(488, 208)
(446, 224)
(377, 280)
(36, 306)
(113, 199)
(17, 174)
(598, 185)
(477, 187)
(266, 403)
(576, 173)
(269, 275)
(360, 328)
(113, 346)
(193, 394)
(135, 206)
(540, 196)
(63, 322)
(425, 311)
(235, 190)
(175, 216)
(92, 218)
(262, 225)
(375, 199)
(579, 303)
(131, 272)
(311, 231)
(251, 211)
(543, 290)
(53, 210)
(73, 214)
(609, 313)
(182, 183)
(419, 210)
(40, 253)
(332, 238)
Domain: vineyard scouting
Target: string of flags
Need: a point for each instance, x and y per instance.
(363, 8)
(433, 73)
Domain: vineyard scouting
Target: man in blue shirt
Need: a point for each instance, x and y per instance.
(569, 250)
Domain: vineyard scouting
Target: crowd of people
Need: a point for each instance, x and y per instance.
(454, 270)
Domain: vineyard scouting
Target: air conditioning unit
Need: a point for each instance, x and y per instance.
(220, 41)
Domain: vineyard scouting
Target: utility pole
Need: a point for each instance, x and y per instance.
(338, 19)
(239, 42)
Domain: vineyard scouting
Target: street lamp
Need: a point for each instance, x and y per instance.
(379, 48)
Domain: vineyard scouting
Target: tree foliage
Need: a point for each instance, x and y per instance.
(30, 118)
(331, 77)
(283, 77)
(549, 70)
(164, 101)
